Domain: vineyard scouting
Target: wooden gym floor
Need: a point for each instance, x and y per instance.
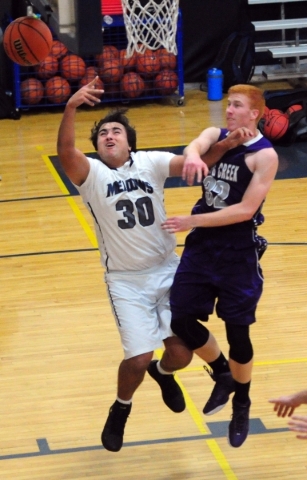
(59, 346)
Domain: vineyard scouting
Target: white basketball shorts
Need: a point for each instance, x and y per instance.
(140, 304)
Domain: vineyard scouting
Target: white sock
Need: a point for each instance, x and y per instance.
(160, 370)
(125, 402)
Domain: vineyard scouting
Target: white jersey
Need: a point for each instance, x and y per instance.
(127, 204)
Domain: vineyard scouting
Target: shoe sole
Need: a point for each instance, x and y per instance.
(215, 410)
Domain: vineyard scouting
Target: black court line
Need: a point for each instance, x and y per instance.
(218, 430)
(51, 252)
(35, 198)
(93, 249)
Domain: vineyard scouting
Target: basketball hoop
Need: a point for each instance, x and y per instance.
(150, 24)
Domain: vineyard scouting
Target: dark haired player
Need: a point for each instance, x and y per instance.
(123, 190)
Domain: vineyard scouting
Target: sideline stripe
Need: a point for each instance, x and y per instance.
(89, 232)
(222, 461)
(198, 420)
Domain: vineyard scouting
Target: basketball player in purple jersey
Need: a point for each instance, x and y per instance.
(219, 266)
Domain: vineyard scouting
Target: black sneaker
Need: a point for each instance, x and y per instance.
(224, 386)
(239, 425)
(113, 432)
(171, 392)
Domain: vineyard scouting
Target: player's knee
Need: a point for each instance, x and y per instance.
(240, 345)
(193, 333)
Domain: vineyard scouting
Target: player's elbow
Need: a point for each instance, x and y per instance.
(247, 212)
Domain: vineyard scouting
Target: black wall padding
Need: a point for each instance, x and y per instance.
(206, 23)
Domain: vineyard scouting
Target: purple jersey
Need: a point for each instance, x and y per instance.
(219, 266)
(224, 186)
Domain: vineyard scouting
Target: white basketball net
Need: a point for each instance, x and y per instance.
(152, 25)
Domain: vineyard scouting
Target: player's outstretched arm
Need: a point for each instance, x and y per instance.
(286, 404)
(194, 166)
(73, 161)
(205, 149)
(234, 139)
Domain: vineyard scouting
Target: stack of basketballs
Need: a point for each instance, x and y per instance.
(52, 81)
(275, 123)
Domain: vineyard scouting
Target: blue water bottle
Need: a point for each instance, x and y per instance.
(215, 84)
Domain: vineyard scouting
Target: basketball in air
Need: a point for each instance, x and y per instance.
(27, 41)
(276, 126)
(294, 108)
(31, 91)
(57, 90)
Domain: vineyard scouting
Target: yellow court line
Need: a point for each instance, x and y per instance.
(198, 420)
(86, 227)
(284, 361)
(281, 362)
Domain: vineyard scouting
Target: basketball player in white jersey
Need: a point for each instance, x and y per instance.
(123, 191)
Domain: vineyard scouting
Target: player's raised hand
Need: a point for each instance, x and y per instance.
(239, 136)
(88, 94)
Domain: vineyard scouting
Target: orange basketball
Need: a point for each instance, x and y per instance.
(48, 67)
(31, 91)
(58, 49)
(294, 108)
(72, 67)
(111, 71)
(132, 85)
(127, 63)
(90, 74)
(276, 126)
(275, 111)
(148, 63)
(108, 53)
(166, 82)
(57, 89)
(167, 60)
(27, 41)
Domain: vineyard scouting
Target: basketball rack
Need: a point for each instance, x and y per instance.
(114, 33)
